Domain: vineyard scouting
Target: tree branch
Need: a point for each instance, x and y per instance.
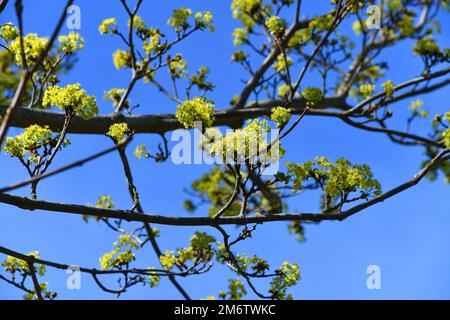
(29, 204)
(161, 123)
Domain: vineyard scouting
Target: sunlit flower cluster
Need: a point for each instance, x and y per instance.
(71, 98)
(280, 116)
(118, 131)
(196, 110)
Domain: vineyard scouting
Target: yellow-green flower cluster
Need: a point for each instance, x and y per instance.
(276, 25)
(108, 26)
(199, 79)
(257, 265)
(33, 47)
(13, 265)
(247, 11)
(247, 143)
(8, 32)
(357, 27)
(44, 293)
(374, 72)
(201, 241)
(153, 43)
(105, 202)
(282, 64)
(141, 151)
(144, 32)
(284, 91)
(291, 273)
(204, 20)
(71, 43)
(71, 97)
(210, 136)
(340, 178)
(406, 25)
(427, 47)
(236, 290)
(122, 59)
(177, 67)
(138, 24)
(416, 106)
(437, 120)
(389, 88)
(393, 4)
(154, 280)
(114, 95)
(196, 110)
(321, 23)
(211, 186)
(245, 6)
(238, 56)
(446, 136)
(215, 186)
(239, 37)
(288, 276)
(199, 250)
(29, 143)
(280, 116)
(254, 265)
(179, 19)
(242, 143)
(447, 116)
(312, 95)
(299, 38)
(121, 255)
(117, 131)
(168, 260)
(366, 90)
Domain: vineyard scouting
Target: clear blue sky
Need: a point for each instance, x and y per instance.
(407, 236)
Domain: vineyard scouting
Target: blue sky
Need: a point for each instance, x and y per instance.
(406, 236)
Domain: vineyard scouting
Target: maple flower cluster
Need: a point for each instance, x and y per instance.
(108, 26)
(8, 32)
(366, 90)
(180, 19)
(71, 43)
(248, 143)
(338, 179)
(446, 133)
(33, 47)
(389, 88)
(27, 145)
(118, 131)
(280, 116)
(196, 110)
(276, 25)
(71, 97)
(312, 95)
